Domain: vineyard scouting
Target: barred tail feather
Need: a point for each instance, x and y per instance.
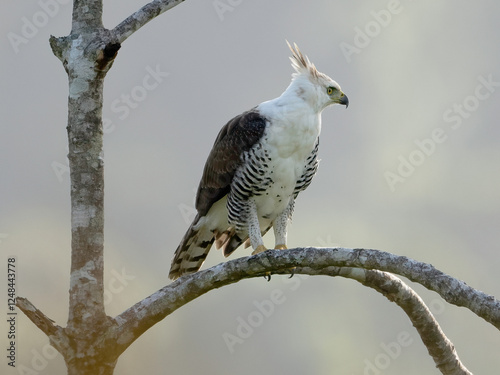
(228, 241)
(192, 251)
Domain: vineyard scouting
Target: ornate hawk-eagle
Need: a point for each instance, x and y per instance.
(260, 161)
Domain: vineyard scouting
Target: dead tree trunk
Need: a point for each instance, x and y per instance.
(87, 54)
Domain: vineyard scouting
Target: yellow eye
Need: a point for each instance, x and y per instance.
(329, 90)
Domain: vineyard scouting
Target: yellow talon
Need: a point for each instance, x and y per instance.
(259, 249)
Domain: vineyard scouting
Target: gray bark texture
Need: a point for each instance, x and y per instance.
(92, 342)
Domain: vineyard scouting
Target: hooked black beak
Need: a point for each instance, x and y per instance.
(344, 100)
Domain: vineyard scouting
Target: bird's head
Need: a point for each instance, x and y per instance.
(316, 88)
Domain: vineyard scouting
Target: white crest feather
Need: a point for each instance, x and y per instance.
(301, 63)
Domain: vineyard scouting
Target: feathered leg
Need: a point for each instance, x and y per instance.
(280, 226)
(254, 228)
(280, 229)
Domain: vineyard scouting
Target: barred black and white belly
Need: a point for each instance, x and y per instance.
(272, 181)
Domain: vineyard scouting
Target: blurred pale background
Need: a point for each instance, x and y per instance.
(415, 74)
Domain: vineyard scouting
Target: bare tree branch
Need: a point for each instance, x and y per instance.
(143, 315)
(358, 264)
(452, 290)
(394, 289)
(87, 16)
(45, 324)
(149, 11)
(56, 334)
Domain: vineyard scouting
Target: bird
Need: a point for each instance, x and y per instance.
(260, 161)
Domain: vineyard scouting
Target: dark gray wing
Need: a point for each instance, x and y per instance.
(236, 137)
